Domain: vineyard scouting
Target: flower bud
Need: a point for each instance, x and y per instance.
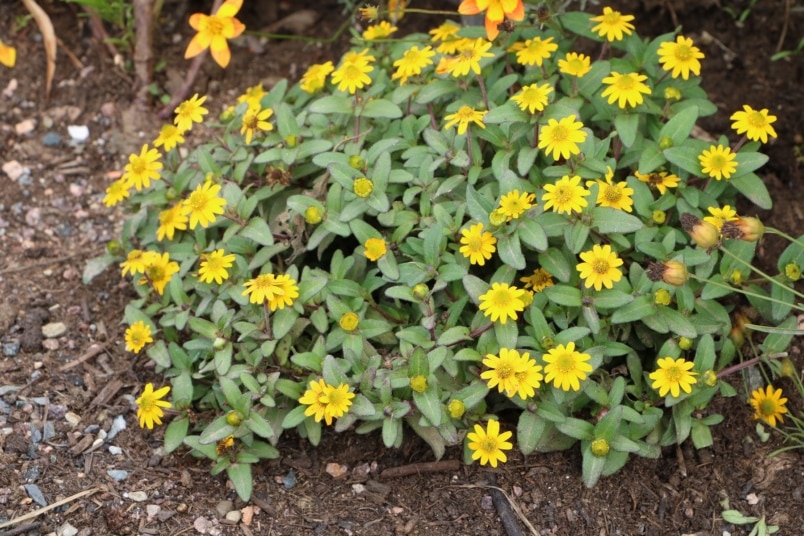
(527, 297)
(497, 218)
(312, 215)
(671, 272)
(744, 228)
(659, 216)
(218, 343)
(171, 194)
(788, 369)
(709, 378)
(349, 322)
(672, 94)
(291, 140)
(234, 418)
(114, 248)
(736, 277)
(662, 297)
(418, 383)
(600, 447)
(363, 187)
(420, 291)
(792, 271)
(702, 232)
(356, 162)
(548, 343)
(665, 142)
(738, 329)
(456, 408)
(685, 343)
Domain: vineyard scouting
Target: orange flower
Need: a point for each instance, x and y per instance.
(496, 12)
(214, 30)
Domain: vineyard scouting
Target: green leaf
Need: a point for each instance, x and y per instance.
(650, 158)
(95, 266)
(332, 104)
(611, 299)
(240, 475)
(748, 162)
(564, 295)
(678, 323)
(510, 252)
(429, 404)
(257, 424)
(381, 108)
(203, 327)
(554, 261)
(627, 125)
(454, 335)
(638, 309)
(753, 187)
(577, 428)
(610, 220)
(230, 391)
(175, 433)
(215, 431)
(686, 158)
(532, 234)
(258, 231)
(679, 126)
(475, 287)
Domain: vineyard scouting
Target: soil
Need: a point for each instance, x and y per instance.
(62, 397)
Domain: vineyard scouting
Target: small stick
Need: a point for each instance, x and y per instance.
(501, 503)
(41, 263)
(417, 468)
(37, 513)
(22, 529)
(93, 350)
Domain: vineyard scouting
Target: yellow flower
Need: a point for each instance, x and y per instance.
(362, 187)
(349, 322)
(204, 204)
(613, 195)
(600, 267)
(477, 245)
(530, 378)
(278, 291)
(224, 444)
(169, 137)
(488, 445)
(446, 32)
(469, 58)
(661, 181)
(566, 367)
(142, 168)
(513, 204)
(719, 216)
(326, 401)
(115, 193)
(496, 12)
(255, 120)
(150, 404)
(575, 64)
(681, 57)
(533, 98)
(170, 220)
(535, 51)
(463, 117)
(418, 383)
(565, 196)
(756, 124)
(561, 138)
(502, 302)
(379, 31)
(411, 63)
(512, 373)
(626, 89)
(8, 55)
(137, 336)
(374, 248)
(456, 408)
(253, 96)
(315, 77)
(612, 24)
(313, 397)
(673, 376)
(214, 30)
(662, 297)
(136, 261)
(214, 266)
(369, 13)
(539, 280)
(189, 112)
(353, 74)
(718, 162)
(768, 405)
(159, 270)
(313, 215)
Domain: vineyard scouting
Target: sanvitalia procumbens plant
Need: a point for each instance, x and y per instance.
(437, 228)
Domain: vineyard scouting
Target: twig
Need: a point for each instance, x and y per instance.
(41, 263)
(73, 58)
(502, 504)
(418, 468)
(99, 32)
(511, 502)
(37, 513)
(22, 529)
(93, 350)
(143, 46)
(784, 26)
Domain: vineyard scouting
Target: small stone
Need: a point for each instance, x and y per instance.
(118, 425)
(49, 431)
(35, 493)
(25, 127)
(357, 489)
(14, 169)
(233, 517)
(289, 480)
(248, 514)
(136, 496)
(76, 190)
(11, 349)
(50, 344)
(115, 450)
(33, 216)
(118, 474)
(53, 330)
(201, 524)
(66, 530)
(336, 470)
(78, 133)
(51, 139)
(108, 109)
(72, 418)
(752, 499)
(152, 510)
(181, 508)
(224, 507)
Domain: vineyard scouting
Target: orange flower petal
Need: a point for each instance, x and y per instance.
(196, 19)
(196, 46)
(491, 29)
(220, 54)
(518, 13)
(468, 7)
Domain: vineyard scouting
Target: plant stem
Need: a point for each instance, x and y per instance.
(784, 235)
(772, 280)
(750, 363)
(483, 91)
(745, 292)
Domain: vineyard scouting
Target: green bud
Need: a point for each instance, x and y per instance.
(219, 343)
(234, 418)
(456, 408)
(418, 383)
(665, 142)
(662, 297)
(792, 271)
(600, 447)
(113, 247)
(684, 343)
(290, 140)
(171, 194)
(420, 291)
(356, 162)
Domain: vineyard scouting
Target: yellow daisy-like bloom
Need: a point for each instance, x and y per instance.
(565, 196)
(539, 280)
(358, 58)
(289, 291)
(262, 288)
(575, 64)
(253, 96)
(626, 89)
(189, 112)
(315, 77)
(487, 445)
(530, 378)
(374, 248)
(214, 266)
(411, 63)
(463, 117)
(768, 405)
(349, 322)
(327, 401)
(396, 9)
(718, 162)
(313, 397)
(613, 195)
(535, 51)
(313, 215)
(661, 181)
(150, 404)
(756, 124)
(256, 120)
(673, 376)
(353, 75)
(446, 32)
(160, 270)
(533, 98)
(115, 193)
(681, 57)
(362, 187)
(561, 138)
(379, 31)
(502, 371)
(469, 58)
(600, 267)
(612, 24)
(369, 12)
(496, 12)
(171, 220)
(513, 204)
(204, 205)
(169, 137)
(566, 367)
(719, 216)
(8, 55)
(136, 261)
(502, 302)
(477, 245)
(137, 336)
(142, 168)
(214, 30)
